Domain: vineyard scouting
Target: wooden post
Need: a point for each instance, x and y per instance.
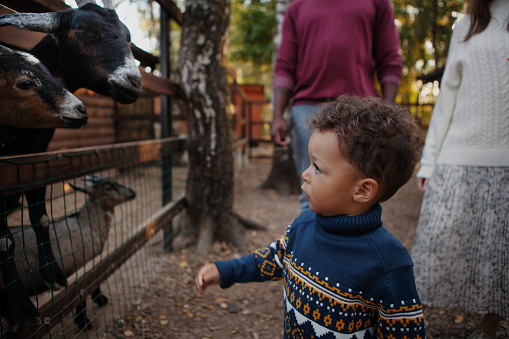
(164, 63)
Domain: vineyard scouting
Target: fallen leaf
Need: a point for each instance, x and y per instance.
(128, 333)
(138, 318)
(459, 319)
(164, 322)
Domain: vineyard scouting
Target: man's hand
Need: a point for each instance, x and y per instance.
(278, 132)
(207, 275)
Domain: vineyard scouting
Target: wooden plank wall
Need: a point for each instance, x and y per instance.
(100, 127)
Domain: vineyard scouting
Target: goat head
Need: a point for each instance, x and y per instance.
(32, 98)
(89, 47)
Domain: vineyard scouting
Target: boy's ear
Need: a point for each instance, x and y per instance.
(366, 191)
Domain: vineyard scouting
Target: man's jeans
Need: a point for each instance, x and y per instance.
(300, 138)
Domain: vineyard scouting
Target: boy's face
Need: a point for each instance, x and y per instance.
(330, 181)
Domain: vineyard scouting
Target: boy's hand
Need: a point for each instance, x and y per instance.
(207, 275)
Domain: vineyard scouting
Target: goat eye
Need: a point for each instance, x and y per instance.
(27, 84)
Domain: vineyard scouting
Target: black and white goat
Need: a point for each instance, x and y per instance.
(31, 98)
(86, 47)
(81, 237)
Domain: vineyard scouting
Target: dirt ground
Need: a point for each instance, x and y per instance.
(172, 308)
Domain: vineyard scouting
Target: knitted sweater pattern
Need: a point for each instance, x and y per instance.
(343, 277)
(470, 121)
(334, 47)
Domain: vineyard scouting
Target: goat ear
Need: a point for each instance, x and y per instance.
(39, 22)
(79, 189)
(3, 78)
(92, 178)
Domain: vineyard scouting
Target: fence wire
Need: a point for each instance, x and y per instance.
(120, 259)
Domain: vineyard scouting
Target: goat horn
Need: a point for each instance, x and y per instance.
(84, 2)
(5, 49)
(39, 22)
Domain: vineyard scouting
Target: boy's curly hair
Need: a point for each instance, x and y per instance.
(378, 138)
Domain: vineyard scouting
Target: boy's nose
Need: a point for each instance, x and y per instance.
(305, 175)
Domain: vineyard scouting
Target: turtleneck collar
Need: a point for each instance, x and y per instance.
(352, 225)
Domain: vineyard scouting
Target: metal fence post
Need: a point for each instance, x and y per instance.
(166, 123)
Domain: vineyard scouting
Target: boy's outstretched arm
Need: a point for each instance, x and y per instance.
(207, 275)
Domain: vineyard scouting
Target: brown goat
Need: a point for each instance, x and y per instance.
(31, 98)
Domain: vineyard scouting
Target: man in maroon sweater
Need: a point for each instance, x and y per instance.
(330, 48)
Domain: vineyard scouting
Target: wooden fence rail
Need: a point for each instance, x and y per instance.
(22, 173)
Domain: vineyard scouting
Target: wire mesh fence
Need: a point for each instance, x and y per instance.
(106, 208)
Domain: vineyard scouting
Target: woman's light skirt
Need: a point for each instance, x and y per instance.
(461, 248)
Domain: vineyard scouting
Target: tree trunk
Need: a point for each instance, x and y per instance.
(209, 215)
(283, 176)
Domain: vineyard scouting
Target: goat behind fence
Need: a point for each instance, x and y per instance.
(138, 166)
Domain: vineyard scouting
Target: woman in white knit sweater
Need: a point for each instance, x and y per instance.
(461, 249)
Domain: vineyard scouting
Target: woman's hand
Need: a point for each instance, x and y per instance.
(422, 184)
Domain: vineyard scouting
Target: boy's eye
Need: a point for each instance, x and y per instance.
(317, 169)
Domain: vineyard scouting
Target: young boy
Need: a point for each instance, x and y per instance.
(344, 274)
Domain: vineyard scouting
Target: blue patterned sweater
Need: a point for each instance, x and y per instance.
(344, 277)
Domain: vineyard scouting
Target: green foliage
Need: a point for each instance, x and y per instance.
(425, 28)
(252, 31)
(252, 27)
